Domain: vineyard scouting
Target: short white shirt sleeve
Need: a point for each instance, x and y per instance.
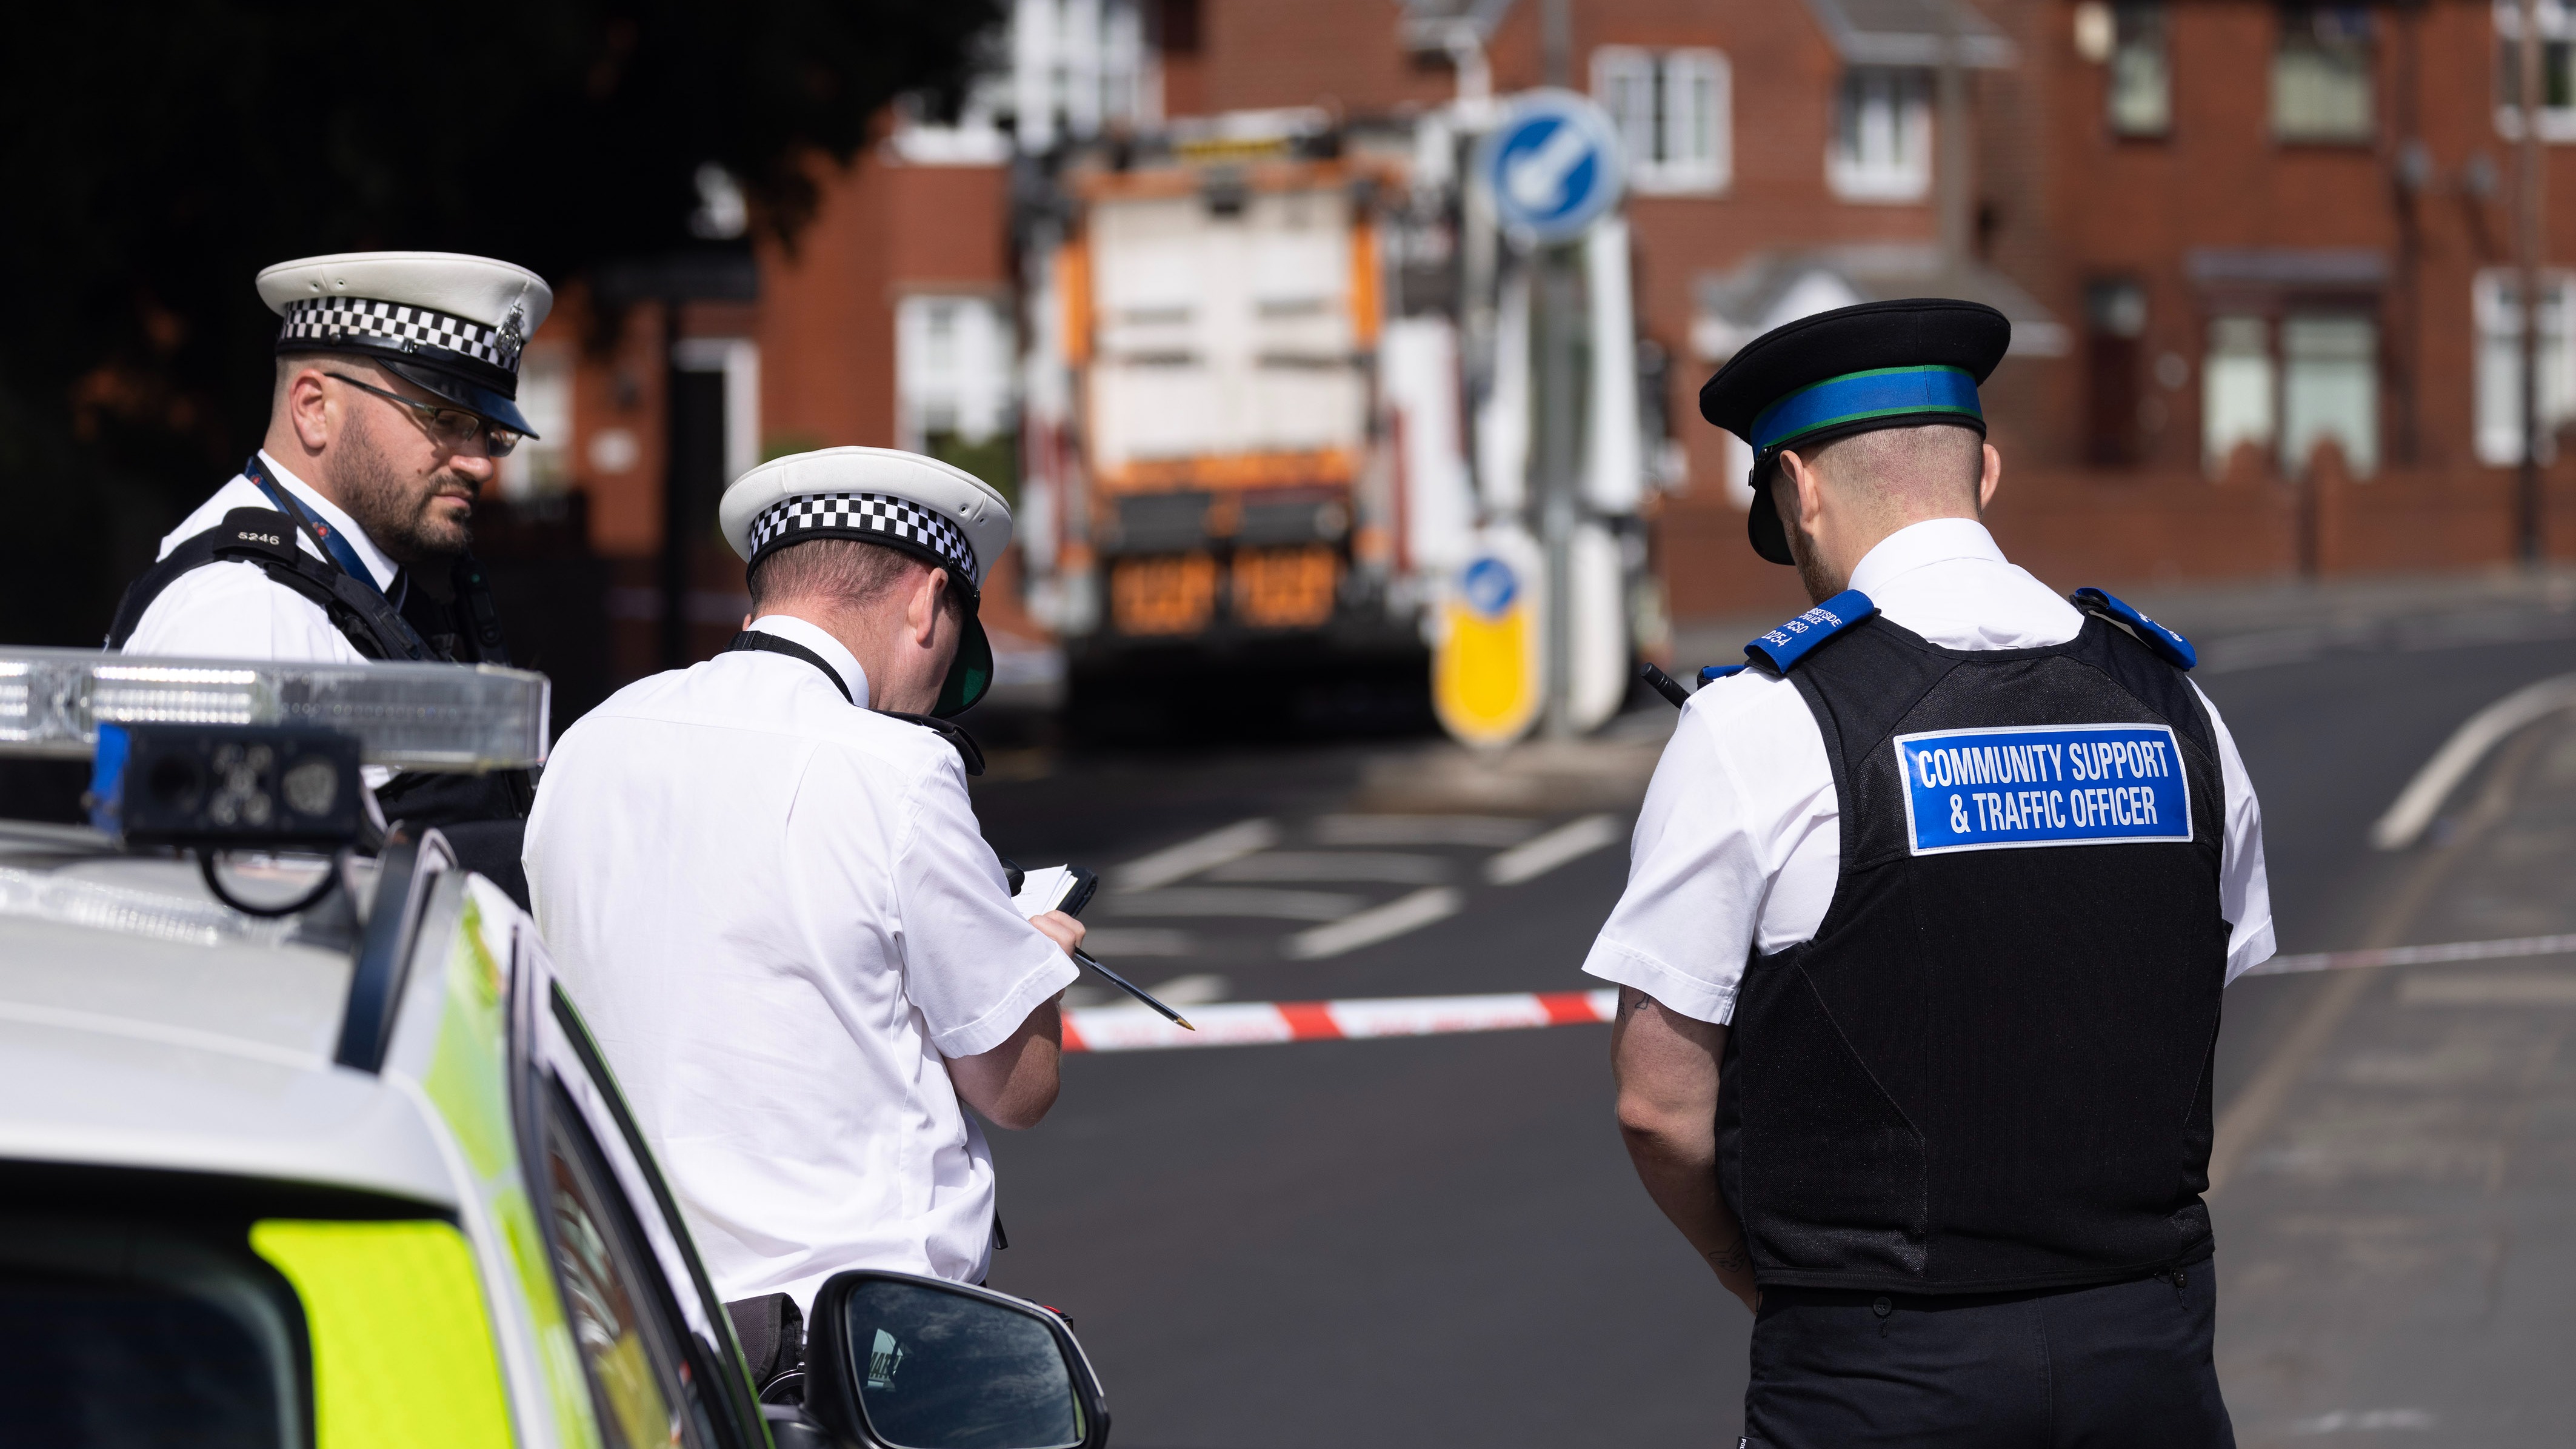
(233, 610)
(1738, 846)
(779, 918)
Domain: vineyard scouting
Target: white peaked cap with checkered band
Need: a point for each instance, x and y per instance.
(451, 323)
(920, 504)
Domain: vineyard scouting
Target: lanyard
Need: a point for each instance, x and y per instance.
(336, 547)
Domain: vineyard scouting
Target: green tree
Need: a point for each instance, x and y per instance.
(158, 155)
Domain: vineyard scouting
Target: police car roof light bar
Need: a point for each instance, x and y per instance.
(450, 717)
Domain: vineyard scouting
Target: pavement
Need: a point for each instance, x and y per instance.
(1438, 1239)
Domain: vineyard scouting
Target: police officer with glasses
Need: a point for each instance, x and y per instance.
(1928, 914)
(764, 884)
(395, 400)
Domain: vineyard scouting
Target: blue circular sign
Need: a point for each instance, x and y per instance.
(1552, 166)
(1489, 586)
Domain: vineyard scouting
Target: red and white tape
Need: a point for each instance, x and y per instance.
(1263, 1023)
(1260, 1023)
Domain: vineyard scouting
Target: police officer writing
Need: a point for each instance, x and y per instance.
(1927, 919)
(395, 400)
(764, 884)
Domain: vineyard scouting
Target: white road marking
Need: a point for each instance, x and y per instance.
(1370, 865)
(2422, 798)
(2442, 988)
(1199, 988)
(2417, 955)
(1405, 913)
(1535, 858)
(1110, 942)
(2365, 1419)
(1490, 831)
(1237, 901)
(1173, 862)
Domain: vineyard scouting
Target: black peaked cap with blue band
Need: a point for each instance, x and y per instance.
(1900, 364)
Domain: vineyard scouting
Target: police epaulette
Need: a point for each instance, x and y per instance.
(2169, 646)
(1783, 647)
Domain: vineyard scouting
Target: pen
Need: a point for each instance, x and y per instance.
(1132, 989)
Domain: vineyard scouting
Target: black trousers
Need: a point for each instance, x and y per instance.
(2123, 1364)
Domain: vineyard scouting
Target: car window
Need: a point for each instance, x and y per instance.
(147, 1359)
(621, 1315)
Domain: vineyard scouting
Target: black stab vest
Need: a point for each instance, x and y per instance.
(1989, 1070)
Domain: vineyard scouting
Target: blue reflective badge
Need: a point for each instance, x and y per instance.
(2043, 785)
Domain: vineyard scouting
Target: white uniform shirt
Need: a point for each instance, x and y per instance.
(232, 610)
(779, 917)
(1740, 841)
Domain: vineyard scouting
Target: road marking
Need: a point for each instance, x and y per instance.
(1237, 901)
(1265, 1023)
(2421, 800)
(1490, 831)
(1326, 865)
(2417, 955)
(1379, 923)
(1535, 858)
(1107, 942)
(2445, 989)
(1173, 862)
(1199, 988)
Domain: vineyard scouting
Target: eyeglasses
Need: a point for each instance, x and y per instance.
(447, 427)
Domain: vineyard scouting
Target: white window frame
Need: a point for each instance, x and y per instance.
(2557, 23)
(542, 463)
(1629, 81)
(738, 358)
(1905, 174)
(973, 390)
(2495, 401)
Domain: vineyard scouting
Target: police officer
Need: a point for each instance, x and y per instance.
(395, 400)
(765, 887)
(1920, 956)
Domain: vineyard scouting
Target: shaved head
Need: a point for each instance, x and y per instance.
(1907, 473)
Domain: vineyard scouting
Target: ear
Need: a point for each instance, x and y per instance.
(309, 409)
(1810, 489)
(1990, 480)
(921, 613)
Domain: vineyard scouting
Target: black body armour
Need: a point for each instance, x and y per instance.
(1989, 1070)
(482, 815)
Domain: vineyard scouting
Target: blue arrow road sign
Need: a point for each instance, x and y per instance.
(1553, 165)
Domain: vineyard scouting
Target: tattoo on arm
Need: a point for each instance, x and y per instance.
(1733, 1258)
(1632, 1001)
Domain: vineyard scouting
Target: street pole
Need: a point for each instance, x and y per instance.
(2527, 241)
(1951, 178)
(1560, 314)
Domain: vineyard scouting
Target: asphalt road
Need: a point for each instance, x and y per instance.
(1439, 1240)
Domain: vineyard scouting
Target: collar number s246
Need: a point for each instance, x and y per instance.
(2039, 785)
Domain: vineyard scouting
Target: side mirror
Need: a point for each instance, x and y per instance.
(894, 1361)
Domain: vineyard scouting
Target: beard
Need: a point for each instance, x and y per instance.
(1811, 565)
(398, 509)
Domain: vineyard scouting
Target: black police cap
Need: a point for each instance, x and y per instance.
(1898, 364)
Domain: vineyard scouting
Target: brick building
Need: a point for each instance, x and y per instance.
(2259, 256)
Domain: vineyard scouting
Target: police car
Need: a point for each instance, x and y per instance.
(302, 1145)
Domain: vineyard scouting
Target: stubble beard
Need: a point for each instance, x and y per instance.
(395, 508)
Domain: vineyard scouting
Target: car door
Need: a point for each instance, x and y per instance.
(656, 1347)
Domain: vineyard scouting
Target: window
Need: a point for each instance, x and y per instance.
(621, 1320)
(1671, 108)
(2557, 72)
(2139, 100)
(1882, 147)
(2321, 74)
(2499, 371)
(953, 393)
(542, 464)
(2236, 389)
(2330, 390)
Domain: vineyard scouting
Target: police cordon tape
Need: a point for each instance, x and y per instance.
(1266, 1023)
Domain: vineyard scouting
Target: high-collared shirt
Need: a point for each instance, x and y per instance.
(1739, 844)
(233, 610)
(781, 921)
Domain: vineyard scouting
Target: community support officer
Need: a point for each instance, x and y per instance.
(346, 536)
(765, 887)
(1925, 930)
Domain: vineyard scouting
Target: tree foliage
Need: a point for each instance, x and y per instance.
(158, 155)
